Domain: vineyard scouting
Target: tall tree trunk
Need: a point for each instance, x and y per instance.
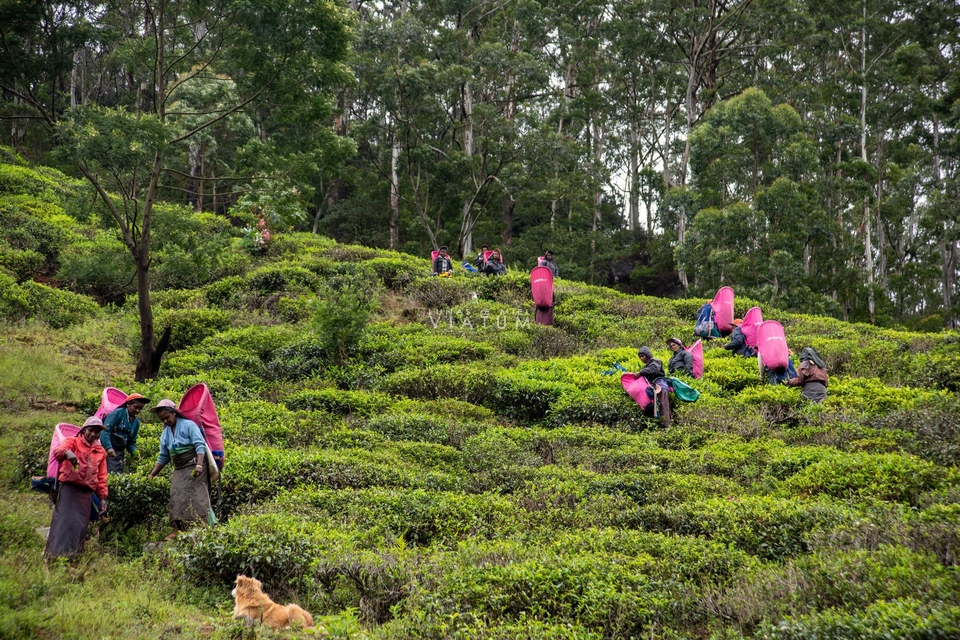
(466, 225)
(506, 206)
(634, 178)
(394, 193)
(867, 226)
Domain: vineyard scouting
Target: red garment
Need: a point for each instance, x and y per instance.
(91, 468)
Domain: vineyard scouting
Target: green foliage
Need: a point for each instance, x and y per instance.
(893, 477)
(340, 320)
(440, 293)
(601, 405)
(136, 499)
(58, 309)
(763, 526)
(904, 618)
(189, 327)
(516, 396)
(399, 272)
(361, 403)
(469, 383)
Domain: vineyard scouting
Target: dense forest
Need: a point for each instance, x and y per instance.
(805, 152)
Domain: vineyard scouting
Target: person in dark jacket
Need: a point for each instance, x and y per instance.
(495, 266)
(681, 361)
(121, 428)
(442, 265)
(659, 390)
(549, 263)
(811, 376)
(738, 341)
(481, 260)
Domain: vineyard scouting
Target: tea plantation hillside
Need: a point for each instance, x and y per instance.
(411, 457)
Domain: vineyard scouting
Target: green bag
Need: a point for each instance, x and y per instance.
(683, 391)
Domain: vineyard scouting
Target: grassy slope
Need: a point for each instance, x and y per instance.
(456, 477)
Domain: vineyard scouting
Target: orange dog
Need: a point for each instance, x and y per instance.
(251, 602)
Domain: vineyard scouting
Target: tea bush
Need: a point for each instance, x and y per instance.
(440, 293)
(189, 327)
(135, 499)
(516, 396)
(361, 403)
(420, 517)
(397, 273)
(893, 477)
(601, 405)
(766, 527)
(469, 383)
(56, 308)
(906, 618)
(424, 428)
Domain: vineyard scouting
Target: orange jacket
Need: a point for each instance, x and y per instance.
(91, 468)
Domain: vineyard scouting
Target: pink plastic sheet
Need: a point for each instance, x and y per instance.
(61, 432)
(541, 284)
(772, 344)
(197, 404)
(636, 388)
(723, 309)
(696, 351)
(110, 400)
(751, 322)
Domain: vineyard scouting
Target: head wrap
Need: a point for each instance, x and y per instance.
(810, 354)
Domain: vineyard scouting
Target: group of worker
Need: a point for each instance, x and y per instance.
(810, 376)
(488, 262)
(101, 447)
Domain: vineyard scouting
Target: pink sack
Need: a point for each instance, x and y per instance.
(723, 309)
(772, 344)
(636, 388)
(751, 322)
(696, 351)
(197, 405)
(541, 284)
(61, 432)
(110, 400)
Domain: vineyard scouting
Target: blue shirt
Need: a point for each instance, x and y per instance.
(187, 433)
(119, 423)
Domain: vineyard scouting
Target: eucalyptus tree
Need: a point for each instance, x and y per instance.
(131, 145)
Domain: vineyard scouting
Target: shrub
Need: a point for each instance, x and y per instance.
(935, 425)
(907, 618)
(440, 293)
(299, 360)
(418, 516)
(226, 293)
(424, 428)
(361, 403)
(397, 273)
(521, 398)
(21, 263)
(340, 320)
(136, 499)
(101, 267)
(766, 527)
(893, 477)
(469, 383)
(503, 459)
(189, 327)
(455, 409)
(601, 405)
(59, 309)
(276, 278)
